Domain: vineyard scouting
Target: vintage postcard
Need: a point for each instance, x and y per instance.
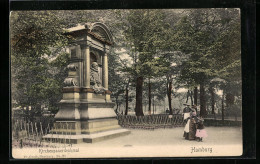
(126, 83)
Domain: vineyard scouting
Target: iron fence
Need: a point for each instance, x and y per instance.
(31, 134)
(150, 122)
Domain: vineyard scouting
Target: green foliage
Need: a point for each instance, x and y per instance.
(226, 53)
(212, 39)
(192, 42)
(33, 32)
(116, 81)
(147, 33)
(36, 37)
(207, 42)
(158, 90)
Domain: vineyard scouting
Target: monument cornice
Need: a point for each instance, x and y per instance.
(77, 89)
(82, 90)
(92, 43)
(89, 33)
(75, 60)
(108, 92)
(87, 90)
(70, 89)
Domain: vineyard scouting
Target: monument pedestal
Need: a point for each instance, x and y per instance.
(85, 120)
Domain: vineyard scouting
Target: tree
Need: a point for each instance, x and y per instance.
(224, 51)
(116, 81)
(200, 33)
(227, 53)
(35, 37)
(175, 58)
(146, 33)
(195, 70)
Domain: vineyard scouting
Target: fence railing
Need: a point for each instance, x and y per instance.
(150, 122)
(219, 117)
(30, 134)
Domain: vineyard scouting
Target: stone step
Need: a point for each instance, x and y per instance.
(88, 138)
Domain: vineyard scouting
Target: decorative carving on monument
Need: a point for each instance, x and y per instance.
(69, 82)
(72, 67)
(95, 80)
(95, 57)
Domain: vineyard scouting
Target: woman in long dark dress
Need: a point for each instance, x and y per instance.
(190, 128)
(187, 126)
(186, 118)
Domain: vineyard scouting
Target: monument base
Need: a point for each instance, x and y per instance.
(89, 131)
(85, 116)
(87, 138)
(85, 122)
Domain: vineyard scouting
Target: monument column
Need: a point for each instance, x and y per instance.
(105, 71)
(79, 71)
(87, 68)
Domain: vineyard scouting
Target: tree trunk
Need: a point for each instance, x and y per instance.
(27, 113)
(196, 96)
(126, 97)
(191, 98)
(139, 96)
(230, 99)
(189, 94)
(153, 104)
(149, 97)
(211, 90)
(222, 106)
(116, 104)
(126, 101)
(187, 97)
(203, 111)
(169, 96)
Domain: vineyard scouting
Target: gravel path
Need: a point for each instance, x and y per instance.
(222, 141)
(216, 136)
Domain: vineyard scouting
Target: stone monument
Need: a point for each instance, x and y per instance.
(86, 111)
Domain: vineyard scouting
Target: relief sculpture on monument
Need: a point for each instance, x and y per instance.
(95, 80)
